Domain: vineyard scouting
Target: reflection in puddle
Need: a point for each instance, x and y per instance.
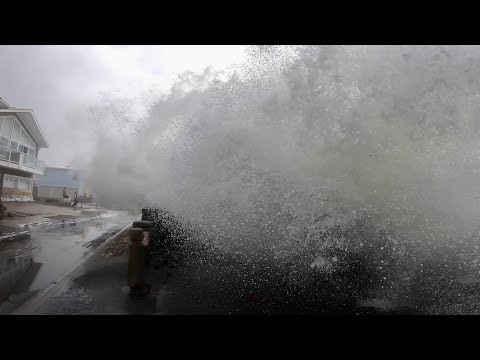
(18, 269)
(85, 232)
(51, 252)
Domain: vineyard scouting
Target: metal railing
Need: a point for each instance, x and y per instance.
(17, 157)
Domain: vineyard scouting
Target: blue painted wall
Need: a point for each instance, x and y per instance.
(57, 177)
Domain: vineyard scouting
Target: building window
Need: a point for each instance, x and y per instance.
(6, 127)
(3, 141)
(4, 154)
(10, 182)
(17, 182)
(13, 136)
(16, 131)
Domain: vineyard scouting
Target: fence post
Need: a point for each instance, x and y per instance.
(145, 226)
(136, 259)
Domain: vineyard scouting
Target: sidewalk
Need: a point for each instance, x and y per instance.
(200, 284)
(196, 278)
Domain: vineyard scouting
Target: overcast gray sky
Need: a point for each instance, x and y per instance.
(58, 82)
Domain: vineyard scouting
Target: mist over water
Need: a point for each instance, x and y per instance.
(316, 156)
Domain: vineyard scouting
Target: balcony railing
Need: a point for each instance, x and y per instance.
(17, 157)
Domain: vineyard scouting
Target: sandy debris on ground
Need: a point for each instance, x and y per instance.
(117, 247)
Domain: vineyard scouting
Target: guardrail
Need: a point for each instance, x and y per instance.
(18, 157)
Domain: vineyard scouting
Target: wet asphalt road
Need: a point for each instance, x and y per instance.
(28, 266)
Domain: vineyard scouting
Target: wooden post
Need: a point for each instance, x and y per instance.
(145, 226)
(142, 224)
(136, 259)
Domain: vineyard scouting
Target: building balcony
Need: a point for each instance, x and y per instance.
(18, 160)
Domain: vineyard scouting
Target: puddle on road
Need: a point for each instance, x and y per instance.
(16, 266)
(33, 264)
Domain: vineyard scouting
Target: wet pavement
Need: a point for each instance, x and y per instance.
(99, 289)
(192, 277)
(27, 266)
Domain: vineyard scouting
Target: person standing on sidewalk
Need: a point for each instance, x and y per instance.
(65, 196)
(75, 200)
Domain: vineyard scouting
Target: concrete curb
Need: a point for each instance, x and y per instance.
(34, 303)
